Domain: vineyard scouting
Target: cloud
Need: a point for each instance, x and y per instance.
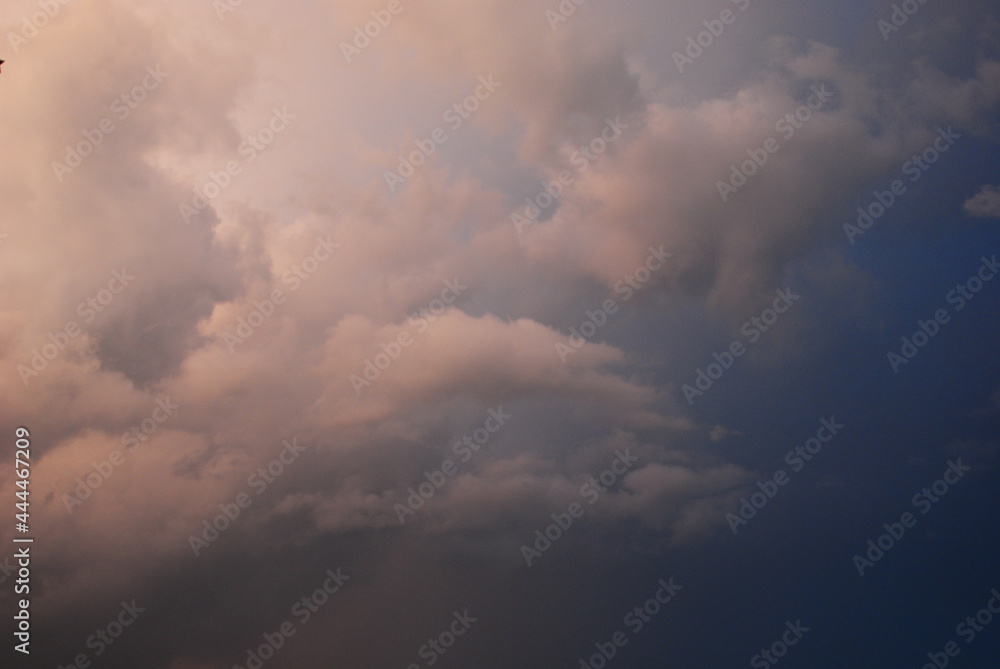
(319, 355)
(985, 203)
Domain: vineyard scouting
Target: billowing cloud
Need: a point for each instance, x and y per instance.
(206, 262)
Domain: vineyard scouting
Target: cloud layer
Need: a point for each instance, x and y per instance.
(299, 297)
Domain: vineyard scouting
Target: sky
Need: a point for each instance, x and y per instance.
(411, 333)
